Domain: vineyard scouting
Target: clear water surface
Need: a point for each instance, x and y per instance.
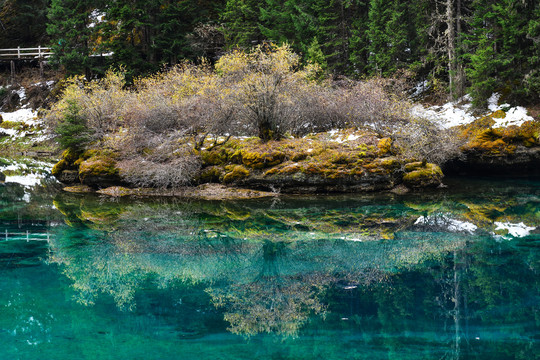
(447, 274)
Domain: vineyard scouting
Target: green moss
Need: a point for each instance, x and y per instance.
(261, 160)
(211, 174)
(59, 167)
(69, 161)
(214, 157)
(428, 175)
(235, 173)
(99, 166)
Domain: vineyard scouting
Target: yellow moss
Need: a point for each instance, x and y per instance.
(430, 174)
(213, 157)
(385, 146)
(59, 167)
(235, 173)
(98, 166)
(78, 189)
(337, 157)
(116, 191)
(211, 174)
(499, 114)
(413, 166)
(14, 125)
(299, 156)
(261, 160)
(499, 141)
(272, 171)
(389, 162)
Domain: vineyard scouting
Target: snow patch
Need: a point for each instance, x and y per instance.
(22, 94)
(448, 115)
(420, 88)
(457, 113)
(27, 116)
(516, 115)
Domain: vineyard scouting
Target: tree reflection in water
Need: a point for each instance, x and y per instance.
(276, 270)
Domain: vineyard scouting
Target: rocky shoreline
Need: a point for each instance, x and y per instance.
(337, 161)
(346, 161)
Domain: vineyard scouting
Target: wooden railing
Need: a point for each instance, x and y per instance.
(25, 53)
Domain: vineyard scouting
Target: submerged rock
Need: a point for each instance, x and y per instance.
(204, 192)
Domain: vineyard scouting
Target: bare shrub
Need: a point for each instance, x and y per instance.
(146, 172)
(263, 92)
(425, 140)
(102, 103)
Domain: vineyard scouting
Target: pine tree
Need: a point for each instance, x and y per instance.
(129, 31)
(333, 32)
(501, 47)
(358, 41)
(241, 23)
(23, 22)
(289, 22)
(71, 33)
(393, 35)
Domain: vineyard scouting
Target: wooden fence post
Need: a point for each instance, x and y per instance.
(12, 72)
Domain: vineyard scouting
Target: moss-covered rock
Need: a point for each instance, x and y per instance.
(423, 175)
(99, 171)
(491, 149)
(260, 159)
(66, 170)
(385, 146)
(235, 173)
(211, 174)
(78, 189)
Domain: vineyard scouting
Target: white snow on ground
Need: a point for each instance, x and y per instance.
(451, 114)
(516, 115)
(48, 83)
(22, 115)
(516, 230)
(26, 116)
(458, 112)
(420, 88)
(452, 225)
(340, 136)
(22, 94)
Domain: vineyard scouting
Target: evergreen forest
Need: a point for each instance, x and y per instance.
(453, 46)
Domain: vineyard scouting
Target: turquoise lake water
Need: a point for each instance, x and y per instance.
(443, 274)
